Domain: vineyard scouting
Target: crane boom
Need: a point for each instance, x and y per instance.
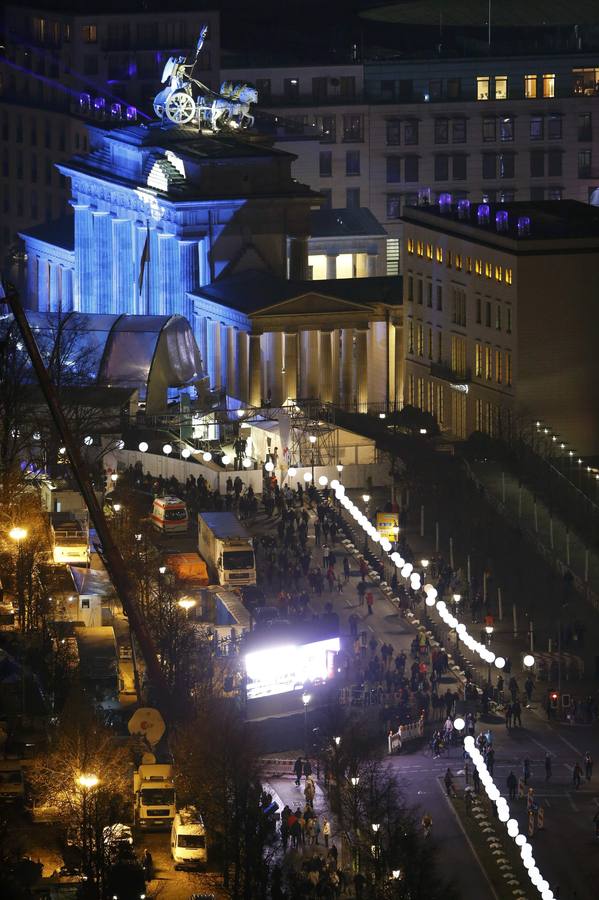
(112, 555)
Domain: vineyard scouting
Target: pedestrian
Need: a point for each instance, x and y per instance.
(528, 687)
(548, 766)
(346, 569)
(326, 831)
(362, 588)
(448, 779)
(512, 784)
(476, 780)
(509, 712)
(490, 760)
(370, 601)
(588, 766)
(148, 865)
(526, 770)
(334, 854)
(309, 791)
(517, 714)
(359, 885)
(576, 776)
(298, 768)
(307, 768)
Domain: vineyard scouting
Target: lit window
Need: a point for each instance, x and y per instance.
(482, 87)
(90, 34)
(488, 363)
(548, 85)
(530, 86)
(448, 257)
(508, 276)
(501, 87)
(458, 262)
(410, 245)
(488, 270)
(439, 254)
(469, 265)
(498, 273)
(419, 339)
(478, 266)
(508, 368)
(430, 342)
(420, 248)
(478, 361)
(429, 251)
(498, 366)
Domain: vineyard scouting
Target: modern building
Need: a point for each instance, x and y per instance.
(59, 70)
(500, 128)
(501, 317)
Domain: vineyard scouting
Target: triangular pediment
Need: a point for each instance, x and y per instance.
(311, 302)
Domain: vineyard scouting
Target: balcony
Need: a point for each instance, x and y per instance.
(446, 373)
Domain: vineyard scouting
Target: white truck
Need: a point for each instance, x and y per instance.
(154, 796)
(226, 546)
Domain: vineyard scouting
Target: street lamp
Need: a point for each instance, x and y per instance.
(87, 782)
(337, 740)
(529, 660)
(187, 603)
(17, 534)
(489, 630)
(306, 697)
(162, 569)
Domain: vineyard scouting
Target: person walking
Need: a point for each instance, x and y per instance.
(346, 569)
(509, 712)
(326, 831)
(576, 776)
(528, 687)
(298, 768)
(512, 784)
(588, 766)
(548, 766)
(476, 780)
(370, 601)
(490, 760)
(448, 779)
(148, 865)
(517, 714)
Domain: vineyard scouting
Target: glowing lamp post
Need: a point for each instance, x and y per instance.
(87, 782)
(306, 697)
(187, 603)
(18, 535)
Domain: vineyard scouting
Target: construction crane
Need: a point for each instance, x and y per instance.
(113, 560)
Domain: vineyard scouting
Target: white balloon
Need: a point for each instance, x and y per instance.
(430, 601)
(500, 662)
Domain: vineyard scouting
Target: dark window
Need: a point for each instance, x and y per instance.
(585, 132)
(393, 169)
(554, 162)
(347, 87)
(536, 128)
(319, 89)
(352, 162)
(439, 298)
(441, 131)
(406, 89)
(488, 165)
(554, 128)
(537, 163)
(327, 193)
(90, 64)
(388, 91)
(584, 163)
(454, 88)
(506, 129)
(458, 131)
(264, 90)
(460, 167)
(291, 89)
(33, 139)
(411, 168)
(393, 132)
(478, 310)
(352, 198)
(352, 128)
(435, 89)
(441, 167)
(506, 165)
(487, 314)
(326, 163)
(393, 206)
(537, 194)
(19, 130)
(5, 164)
(411, 131)
(489, 130)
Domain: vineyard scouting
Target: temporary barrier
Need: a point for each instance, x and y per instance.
(531, 823)
(521, 789)
(541, 818)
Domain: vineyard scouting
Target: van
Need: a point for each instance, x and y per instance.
(12, 784)
(188, 839)
(169, 515)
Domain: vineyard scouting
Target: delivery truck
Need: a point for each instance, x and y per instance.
(227, 547)
(154, 795)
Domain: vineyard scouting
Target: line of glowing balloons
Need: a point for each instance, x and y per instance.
(503, 814)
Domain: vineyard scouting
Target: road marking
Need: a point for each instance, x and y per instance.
(542, 746)
(574, 807)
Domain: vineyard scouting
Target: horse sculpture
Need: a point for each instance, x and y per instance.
(230, 108)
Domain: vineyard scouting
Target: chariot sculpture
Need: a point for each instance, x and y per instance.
(227, 109)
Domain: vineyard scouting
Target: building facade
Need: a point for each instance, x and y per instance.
(501, 317)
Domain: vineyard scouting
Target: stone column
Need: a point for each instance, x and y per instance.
(43, 285)
(310, 365)
(168, 297)
(242, 364)
(277, 383)
(371, 265)
(335, 366)
(153, 275)
(232, 380)
(53, 295)
(210, 363)
(102, 288)
(189, 269)
(142, 298)
(201, 335)
(84, 290)
(291, 340)
(362, 369)
(325, 364)
(217, 354)
(67, 290)
(331, 265)
(255, 366)
(123, 277)
(347, 366)
(298, 258)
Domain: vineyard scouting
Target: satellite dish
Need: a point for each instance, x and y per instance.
(149, 723)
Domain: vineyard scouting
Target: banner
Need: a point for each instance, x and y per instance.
(387, 525)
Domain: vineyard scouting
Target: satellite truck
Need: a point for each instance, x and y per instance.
(227, 547)
(154, 797)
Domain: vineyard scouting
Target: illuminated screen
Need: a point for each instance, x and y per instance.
(290, 667)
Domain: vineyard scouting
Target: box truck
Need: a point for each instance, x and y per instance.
(154, 795)
(227, 547)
